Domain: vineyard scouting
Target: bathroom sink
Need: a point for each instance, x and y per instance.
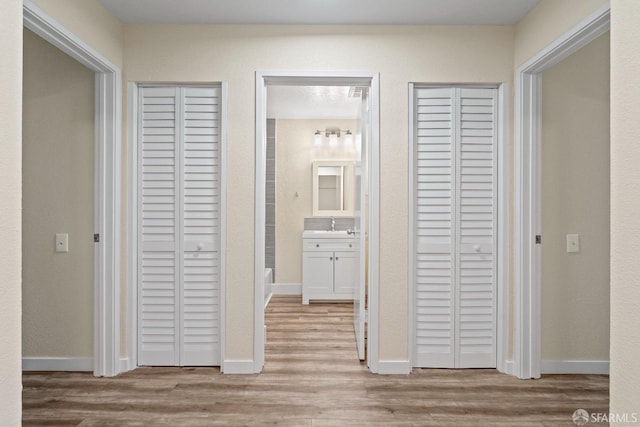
(324, 234)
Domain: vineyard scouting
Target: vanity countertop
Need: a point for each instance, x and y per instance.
(324, 234)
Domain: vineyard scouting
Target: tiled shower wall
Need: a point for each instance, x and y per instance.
(270, 200)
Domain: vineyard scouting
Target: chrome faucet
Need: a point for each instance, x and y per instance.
(333, 223)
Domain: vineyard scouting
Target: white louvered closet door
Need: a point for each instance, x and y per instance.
(455, 181)
(179, 255)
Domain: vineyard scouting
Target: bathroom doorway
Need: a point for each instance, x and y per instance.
(303, 121)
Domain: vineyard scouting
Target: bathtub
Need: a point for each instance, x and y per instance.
(268, 282)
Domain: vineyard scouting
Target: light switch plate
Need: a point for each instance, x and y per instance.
(573, 243)
(62, 242)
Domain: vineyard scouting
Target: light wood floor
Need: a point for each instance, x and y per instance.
(311, 378)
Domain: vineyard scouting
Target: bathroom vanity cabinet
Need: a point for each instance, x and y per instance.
(329, 266)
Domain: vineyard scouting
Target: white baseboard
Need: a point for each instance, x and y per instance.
(126, 365)
(238, 367)
(508, 367)
(596, 367)
(394, 367)
(75, 364)
(286, 289)
(268, 299)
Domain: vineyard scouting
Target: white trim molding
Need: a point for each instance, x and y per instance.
(70, 364)
(286, 289)
(394, 367)
(106, 313)
(593, 367)
(259, 225)
(224, 102)
(527, 219)
(316, 78)
(373, 228)
(132, 223)
(586, 367)
(508, 367)
(411, 311)
(238, 367)
(126, 364)
(504, 235)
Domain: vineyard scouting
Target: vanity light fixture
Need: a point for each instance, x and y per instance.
(333, 135)
(333, 139)
(348, 139)
(317, 139)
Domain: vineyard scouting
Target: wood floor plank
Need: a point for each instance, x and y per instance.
(311, 378)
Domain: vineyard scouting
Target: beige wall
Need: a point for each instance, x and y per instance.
(10, 220)
(401, 54)
(295, 153)
(58, 158)
(103, 32)
(91, 22)
(548, 21)
(575, 200)
(625, 206)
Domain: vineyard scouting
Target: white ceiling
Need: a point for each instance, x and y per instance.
(383, 12)
(311, 102)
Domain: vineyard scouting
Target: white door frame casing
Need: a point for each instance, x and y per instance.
(106, 312)
(310, 78)
(132, 217)
(528, 216)
(503, 236)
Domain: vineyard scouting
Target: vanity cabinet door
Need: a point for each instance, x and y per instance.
(318, 272)
(346, 265)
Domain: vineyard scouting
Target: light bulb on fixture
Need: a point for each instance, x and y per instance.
(317, 139)
(348, 139)
(333, 139)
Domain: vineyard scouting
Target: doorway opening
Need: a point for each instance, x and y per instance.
(106, 203)
(57, 209)
(303, 123)
(527, 192)
(575, 223)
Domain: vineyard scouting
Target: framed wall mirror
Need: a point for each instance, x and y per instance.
(332, 188)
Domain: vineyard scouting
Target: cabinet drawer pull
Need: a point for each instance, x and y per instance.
(350, 245)
(317, 245)
(330, 258)
(337, 258)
